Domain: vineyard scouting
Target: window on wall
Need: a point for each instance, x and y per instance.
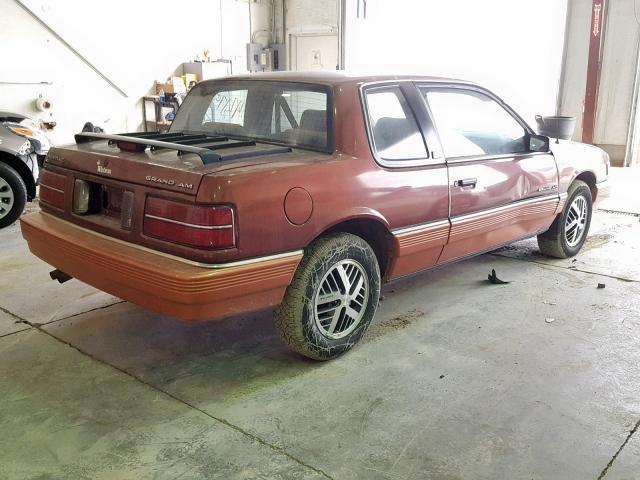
(394, 129)
(471, 123)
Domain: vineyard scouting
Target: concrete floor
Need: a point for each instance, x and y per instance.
(456, 379)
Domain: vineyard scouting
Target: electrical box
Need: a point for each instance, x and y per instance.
(265, 59)
(278, 60)
(255, 58)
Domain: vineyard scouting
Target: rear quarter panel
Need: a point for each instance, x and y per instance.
(341, 187)
(345, 185)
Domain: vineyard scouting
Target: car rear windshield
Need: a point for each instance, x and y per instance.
(292, 114)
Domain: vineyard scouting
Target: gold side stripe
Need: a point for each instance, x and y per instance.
(237, 263)
(51, 188)
(547, 201)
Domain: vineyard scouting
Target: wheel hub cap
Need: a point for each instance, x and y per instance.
(341, 300)
(576, 222)
(6, 198)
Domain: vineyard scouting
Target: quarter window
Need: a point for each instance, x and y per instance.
(393, 127)
(471, 123)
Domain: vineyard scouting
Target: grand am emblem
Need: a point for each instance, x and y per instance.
(53, 158)
(102, 167)
(169, 181)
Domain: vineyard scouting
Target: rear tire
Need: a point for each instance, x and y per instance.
(332, 299)
(13, 195)
(569, 230)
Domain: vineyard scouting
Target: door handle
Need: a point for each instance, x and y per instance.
(466, 182)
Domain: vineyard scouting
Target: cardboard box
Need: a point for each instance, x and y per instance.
(176, 85)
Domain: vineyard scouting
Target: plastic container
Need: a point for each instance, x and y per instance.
(556, 127)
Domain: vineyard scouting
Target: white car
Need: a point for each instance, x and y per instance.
(23, 147)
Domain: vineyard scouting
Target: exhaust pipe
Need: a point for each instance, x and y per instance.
(60, 276)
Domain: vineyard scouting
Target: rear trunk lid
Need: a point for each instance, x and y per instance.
(170, 168)
(101, 186)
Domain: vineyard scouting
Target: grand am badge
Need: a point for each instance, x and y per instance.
(168, 181)
(53, 158)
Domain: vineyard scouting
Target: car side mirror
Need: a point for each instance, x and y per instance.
(538, 143)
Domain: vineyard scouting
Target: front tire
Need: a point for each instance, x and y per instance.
(569, 230)
(332, 299)
(13, 195)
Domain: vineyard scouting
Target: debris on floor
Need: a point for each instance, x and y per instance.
(396, 323)
(546, 302)
(601, 285)
(549, 320)
(493, 278)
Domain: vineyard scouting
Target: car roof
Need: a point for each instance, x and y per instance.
(337, 77)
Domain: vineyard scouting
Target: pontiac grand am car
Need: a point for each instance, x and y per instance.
(304, 191)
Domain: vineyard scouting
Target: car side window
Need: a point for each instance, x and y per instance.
(471, 123)
(394, 129)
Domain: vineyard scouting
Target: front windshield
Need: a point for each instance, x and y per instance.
(293, 114)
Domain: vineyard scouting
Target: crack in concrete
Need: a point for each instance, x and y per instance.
(619, 212)
(36, 324)
(570, 268)
(13, 333)
(11, 314)
(613, 459)
(238, 429)
(82, 313)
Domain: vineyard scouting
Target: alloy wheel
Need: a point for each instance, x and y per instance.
(7, 198)
(341, 301)
(576, 221)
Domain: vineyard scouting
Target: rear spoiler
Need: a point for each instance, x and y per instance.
(202, 145)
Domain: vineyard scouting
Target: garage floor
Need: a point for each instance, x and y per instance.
(456, 379)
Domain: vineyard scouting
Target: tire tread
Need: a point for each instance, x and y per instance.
(289, 313)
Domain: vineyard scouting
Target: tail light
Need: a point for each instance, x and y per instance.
(52, 189)
(193, 225)
(81, 196)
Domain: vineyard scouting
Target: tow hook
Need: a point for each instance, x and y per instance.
(60, 276)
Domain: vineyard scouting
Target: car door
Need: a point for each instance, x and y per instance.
(499, 190)
(410, 187)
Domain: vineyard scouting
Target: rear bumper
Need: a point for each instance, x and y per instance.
(162, 283)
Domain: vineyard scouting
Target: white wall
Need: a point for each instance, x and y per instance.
(312, 16)
(574, 82)
(312, 34)
(617, 74)
(132, 43)
(512, 47)
(618, 68)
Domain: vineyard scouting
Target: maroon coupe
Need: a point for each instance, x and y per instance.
(304, 191)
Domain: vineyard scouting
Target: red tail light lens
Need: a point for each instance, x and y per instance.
(52, 189)
(193, 225)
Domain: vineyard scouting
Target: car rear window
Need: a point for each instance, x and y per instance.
(297, 115)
